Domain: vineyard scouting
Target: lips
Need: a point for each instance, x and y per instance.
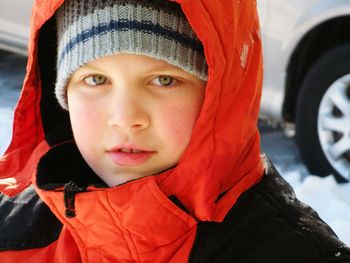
(129, 155)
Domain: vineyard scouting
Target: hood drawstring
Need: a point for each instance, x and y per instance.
(70, 190)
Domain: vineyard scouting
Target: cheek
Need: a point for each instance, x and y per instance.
(85, 120)
(178, 122)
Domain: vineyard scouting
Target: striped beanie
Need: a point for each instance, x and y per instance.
(90, 29)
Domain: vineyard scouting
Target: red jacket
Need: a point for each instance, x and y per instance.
(137, 221)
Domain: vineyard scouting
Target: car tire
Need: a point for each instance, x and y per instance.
(323, 115)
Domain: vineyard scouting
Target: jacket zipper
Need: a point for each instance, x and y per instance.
(70, 190)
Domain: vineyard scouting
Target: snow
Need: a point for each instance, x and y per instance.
(329, 199)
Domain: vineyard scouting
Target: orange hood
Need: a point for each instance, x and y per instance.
(223, 157)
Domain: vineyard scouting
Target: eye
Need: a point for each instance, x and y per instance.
(95, 80)
(164, 81)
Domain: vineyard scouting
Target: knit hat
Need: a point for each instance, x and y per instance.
(90, 29)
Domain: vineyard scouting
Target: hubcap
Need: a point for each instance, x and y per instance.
(333, 125)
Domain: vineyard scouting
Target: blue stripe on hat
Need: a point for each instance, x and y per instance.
(126, 25)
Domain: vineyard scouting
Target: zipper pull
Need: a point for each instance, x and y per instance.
(70, 190)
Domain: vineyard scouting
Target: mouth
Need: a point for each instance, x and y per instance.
(128, 150)
(129, 155)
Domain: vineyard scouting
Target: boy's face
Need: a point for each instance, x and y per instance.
(132, 115)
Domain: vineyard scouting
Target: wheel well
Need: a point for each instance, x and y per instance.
(321, 38)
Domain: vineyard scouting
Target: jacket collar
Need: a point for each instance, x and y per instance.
(136, 217)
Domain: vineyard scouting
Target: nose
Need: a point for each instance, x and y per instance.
(129, 112)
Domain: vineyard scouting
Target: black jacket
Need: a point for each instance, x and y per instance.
(269, 224)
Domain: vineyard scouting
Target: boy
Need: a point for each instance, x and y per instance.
(163, 162)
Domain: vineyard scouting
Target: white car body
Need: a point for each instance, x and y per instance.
(284, 24)
(14, 25)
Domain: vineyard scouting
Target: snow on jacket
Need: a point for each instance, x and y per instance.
(58, 210)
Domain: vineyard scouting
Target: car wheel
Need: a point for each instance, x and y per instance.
(323, 115)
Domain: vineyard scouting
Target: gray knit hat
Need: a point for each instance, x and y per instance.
(90, 29)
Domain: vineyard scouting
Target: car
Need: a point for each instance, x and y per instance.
(307, 78)
(307, 73)
(14, 25)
